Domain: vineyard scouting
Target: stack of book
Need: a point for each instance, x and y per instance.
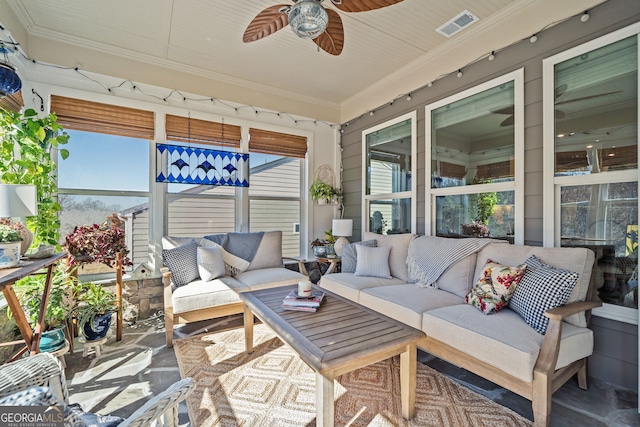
(296, 303)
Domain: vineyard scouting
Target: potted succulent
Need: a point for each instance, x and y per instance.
(10, 243)
(95, 309)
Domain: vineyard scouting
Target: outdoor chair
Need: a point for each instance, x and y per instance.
(45, 370)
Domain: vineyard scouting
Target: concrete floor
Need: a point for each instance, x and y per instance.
(131, 370)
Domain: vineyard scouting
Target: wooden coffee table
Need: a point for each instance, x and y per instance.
(340, 337)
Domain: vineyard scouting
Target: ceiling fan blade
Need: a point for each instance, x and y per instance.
(559, 114)
(508, 121)
(504, 110)
(560, 90)
(362, 5)
(266, 23)
(332, 39)
(583, 98)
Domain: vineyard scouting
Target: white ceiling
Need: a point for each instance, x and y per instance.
(382, 52)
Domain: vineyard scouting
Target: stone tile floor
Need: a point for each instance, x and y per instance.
(131, 370)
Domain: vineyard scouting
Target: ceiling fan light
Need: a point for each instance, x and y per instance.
(9, 81)
(308, 19)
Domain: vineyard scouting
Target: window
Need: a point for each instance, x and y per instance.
(389, 151)
(591, 141)
(474, 157)
(275, 200)
(107, 170)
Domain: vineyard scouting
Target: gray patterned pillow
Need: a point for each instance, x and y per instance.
(183, 263)
(541, 288)
(350, 256)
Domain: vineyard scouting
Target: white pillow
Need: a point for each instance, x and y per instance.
(210, 263)
(233, 264)
(373, 262)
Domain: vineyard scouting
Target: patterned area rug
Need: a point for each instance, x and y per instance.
(274, 387)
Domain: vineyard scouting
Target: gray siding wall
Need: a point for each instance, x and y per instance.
(615, 359)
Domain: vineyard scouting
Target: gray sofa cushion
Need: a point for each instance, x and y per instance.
(579, 260)
(459, 278)
(399, 250)
(200, 294)
(269, 252)
(406, 303)
(503, 340)
(349, 286)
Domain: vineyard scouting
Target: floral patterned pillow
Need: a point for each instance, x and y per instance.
(494, 288)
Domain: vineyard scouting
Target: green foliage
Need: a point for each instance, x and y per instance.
(26, 158)
(61, 302)
(486, 202)
(329, 237)
(95, 243)
(94, 300)
(322, 191)
(8, 234)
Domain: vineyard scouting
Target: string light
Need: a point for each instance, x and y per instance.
(459, 73)
(409, 97)
(492, 56)
(533, 39)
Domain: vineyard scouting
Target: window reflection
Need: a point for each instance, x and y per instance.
(390, 216)
(604, 218)
(389, 159)
(473, 139)
(596, 110)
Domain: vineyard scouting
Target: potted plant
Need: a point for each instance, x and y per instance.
(10, 243)
(319, 247)
(95, 308)
(97, 243)
(330, 240)
(60, 307)
(321, 192)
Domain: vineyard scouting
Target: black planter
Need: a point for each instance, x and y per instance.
(100, 327)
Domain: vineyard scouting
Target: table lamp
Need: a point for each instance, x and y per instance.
(18, 201)
(341, 228)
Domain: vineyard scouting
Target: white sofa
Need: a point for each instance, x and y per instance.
(502, 347)
(201, 299)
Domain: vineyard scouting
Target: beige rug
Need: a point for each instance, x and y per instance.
(273, 387)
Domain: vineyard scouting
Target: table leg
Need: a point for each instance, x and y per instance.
(324, 401)
(248, 329)
(18, 314)
(408, 380)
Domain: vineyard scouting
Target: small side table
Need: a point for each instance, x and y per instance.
(334, 264)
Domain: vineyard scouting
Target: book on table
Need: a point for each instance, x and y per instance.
(294, 308)
(293, 300)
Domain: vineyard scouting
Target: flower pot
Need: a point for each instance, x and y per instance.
(52, 340)
(9, 254)
(101, 326)
(320, 251)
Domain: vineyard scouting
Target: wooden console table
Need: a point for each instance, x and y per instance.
(8, 277)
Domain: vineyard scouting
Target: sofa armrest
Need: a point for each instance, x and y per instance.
(301, 267)
(548, 356)
(168, 291)
(559, 313)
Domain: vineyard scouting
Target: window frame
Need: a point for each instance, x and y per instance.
(552, 185)
(516, 185)
(411, 194)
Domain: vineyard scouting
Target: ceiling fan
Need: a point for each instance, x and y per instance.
(559, 91)
(310, 20)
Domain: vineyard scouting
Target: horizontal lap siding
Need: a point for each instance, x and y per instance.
(200, 216)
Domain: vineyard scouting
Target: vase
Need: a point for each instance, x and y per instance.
(320, 251)
(100, 328)
(52, 340)
(9, 254)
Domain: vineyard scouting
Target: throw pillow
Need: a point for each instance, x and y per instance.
(373, 262)
(542, 287)
(349, 255)
(183, 263)
(210, 263)
(495, 287)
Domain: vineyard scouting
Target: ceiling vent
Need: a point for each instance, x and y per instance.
(456, 24)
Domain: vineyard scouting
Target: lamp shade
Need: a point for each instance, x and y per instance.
(18, 200)
(342, 227)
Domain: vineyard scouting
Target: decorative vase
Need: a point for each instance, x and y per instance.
(330, 250)
(52, 340)
(101, 326)
(27, 239)
(320, 251)
(9, 254)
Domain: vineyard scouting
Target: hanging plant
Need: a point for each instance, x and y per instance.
(26, 158)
